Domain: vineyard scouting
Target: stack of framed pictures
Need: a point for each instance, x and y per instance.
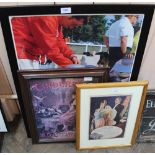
(40, 40)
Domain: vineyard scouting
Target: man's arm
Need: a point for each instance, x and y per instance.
(124, 44)
(106, 41)
(124, 50)
(66, 50)
(44, 30)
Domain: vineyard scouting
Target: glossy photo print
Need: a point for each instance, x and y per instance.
(54, 108)
(77, 41)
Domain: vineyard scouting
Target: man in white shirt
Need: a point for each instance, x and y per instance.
(119, 38)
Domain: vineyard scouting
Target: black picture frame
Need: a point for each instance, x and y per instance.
(40, 84)
(147, 10)
(5, 12)
(146, 129)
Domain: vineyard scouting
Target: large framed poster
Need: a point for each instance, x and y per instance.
(47, 37)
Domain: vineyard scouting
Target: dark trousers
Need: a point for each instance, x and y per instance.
(115, 54)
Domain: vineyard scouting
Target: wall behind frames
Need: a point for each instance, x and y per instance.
(147, 70)
(10, 107)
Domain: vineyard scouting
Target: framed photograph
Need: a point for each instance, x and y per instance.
(108, 114)
(147, 127)
(49, 101)
(51, 38)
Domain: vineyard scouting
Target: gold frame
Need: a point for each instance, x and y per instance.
(79, 87)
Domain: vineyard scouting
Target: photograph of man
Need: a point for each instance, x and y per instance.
(39, 41)
(119, 38)
(118, 107)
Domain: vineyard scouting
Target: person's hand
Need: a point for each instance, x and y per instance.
(129, 56)
(75, 60)
(94, 52)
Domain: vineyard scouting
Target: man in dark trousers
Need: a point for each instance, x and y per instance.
(119, 38)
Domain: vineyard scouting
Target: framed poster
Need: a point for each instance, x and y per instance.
(147, 127)
(108, 114)
(51, 38)
(49, 101)
(80, 40)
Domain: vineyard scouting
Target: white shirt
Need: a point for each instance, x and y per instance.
(122, 27)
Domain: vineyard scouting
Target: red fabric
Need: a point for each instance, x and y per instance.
(41, 35)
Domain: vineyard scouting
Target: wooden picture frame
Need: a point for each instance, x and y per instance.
(108, 114)
(49, 103)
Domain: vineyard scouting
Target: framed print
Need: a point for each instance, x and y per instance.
(49, 101)
(50, 39)
(147, 127)
(108, 114)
